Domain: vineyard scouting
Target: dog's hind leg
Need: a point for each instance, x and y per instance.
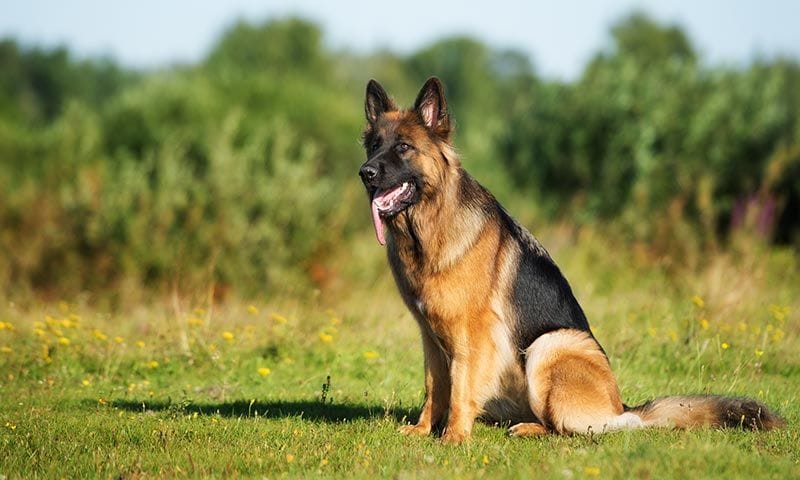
(570, 385)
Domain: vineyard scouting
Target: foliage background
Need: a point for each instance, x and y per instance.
(238, 173)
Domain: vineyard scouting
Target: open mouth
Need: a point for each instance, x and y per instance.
(388, 203)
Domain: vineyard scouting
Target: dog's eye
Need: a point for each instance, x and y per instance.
(402, 147)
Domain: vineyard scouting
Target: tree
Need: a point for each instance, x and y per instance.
(282, 46)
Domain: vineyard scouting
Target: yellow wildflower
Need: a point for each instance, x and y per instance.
(6, 349)
(289, 458)
(278, 318)
(371, 355)
(228, 336)
(325, 337)
(777, 335)
(86, 382)
(46, 354)
(704, 323)
(64, 341)
(140, 344)
(194, 321)
(11, 425)
(778, 312)
(324, 462)
(698, 301)
(673, 335)
(485, 460)
(252, 310)
(759, 352)
(119, 339)
(591, 471)
(725, 345)
(264, 371)
(152, 364)
(97, 334)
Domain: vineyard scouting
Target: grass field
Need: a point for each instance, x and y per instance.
(317, 384)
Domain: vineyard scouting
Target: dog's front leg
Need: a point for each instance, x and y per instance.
(471, 371)
(463, 407)
(437, 387)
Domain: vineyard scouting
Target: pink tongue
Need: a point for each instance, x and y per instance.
(376, 220)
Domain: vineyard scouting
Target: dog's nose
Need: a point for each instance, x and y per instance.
(368, 172)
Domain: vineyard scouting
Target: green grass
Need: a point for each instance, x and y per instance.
(318, 384)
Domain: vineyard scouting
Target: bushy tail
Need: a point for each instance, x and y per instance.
(707, 410)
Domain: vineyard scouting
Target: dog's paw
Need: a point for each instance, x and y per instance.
(527, 430)
(415, 430)
(454, 437)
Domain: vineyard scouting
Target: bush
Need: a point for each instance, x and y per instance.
(241, 171)
(245, 217)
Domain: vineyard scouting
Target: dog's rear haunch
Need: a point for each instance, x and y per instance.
(502, 333)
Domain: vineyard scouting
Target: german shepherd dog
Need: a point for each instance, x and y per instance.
(503, 336)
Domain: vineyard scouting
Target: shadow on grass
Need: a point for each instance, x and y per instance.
(312, 410)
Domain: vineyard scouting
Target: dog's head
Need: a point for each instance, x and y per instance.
(407, 151)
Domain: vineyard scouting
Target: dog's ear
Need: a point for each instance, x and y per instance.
(377, 102)
(432, 107)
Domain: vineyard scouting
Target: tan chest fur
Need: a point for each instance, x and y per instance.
(451, 294)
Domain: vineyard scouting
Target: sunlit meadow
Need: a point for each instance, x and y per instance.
(318, 384)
